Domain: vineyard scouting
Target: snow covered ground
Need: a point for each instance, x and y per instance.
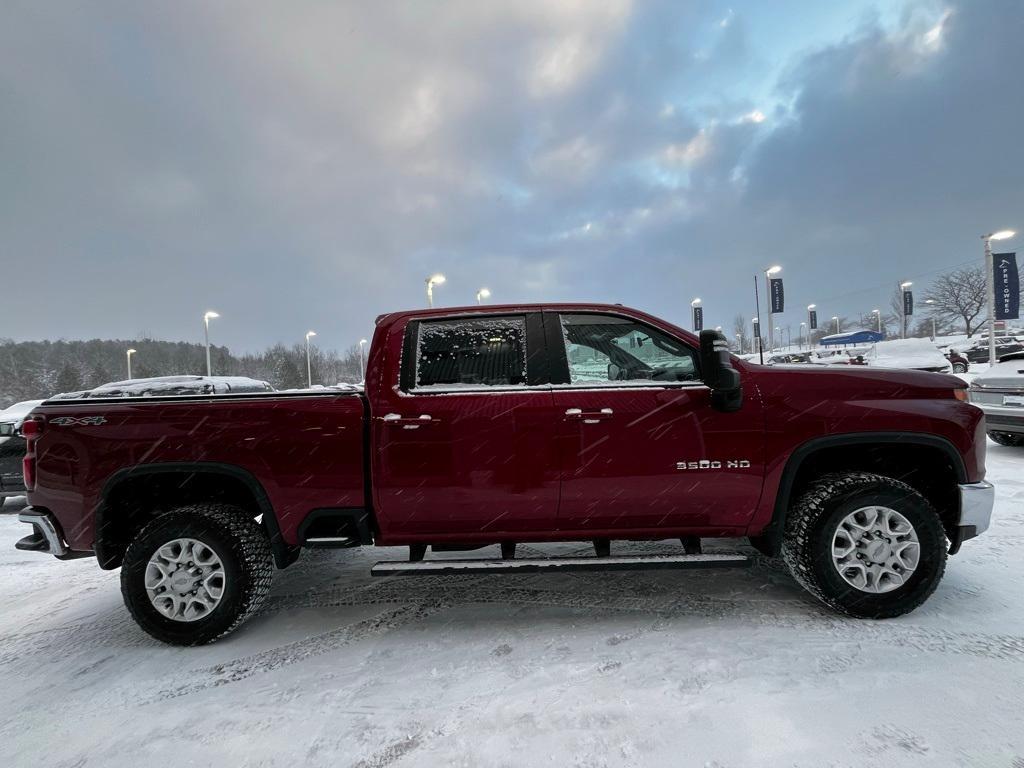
(705, 668)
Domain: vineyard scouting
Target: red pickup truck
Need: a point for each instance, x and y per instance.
(484, 426)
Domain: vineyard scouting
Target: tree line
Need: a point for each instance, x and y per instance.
(31, 370)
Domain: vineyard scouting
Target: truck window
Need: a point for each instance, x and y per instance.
(486, 352)
(604, 348)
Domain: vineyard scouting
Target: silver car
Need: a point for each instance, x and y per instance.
(999, 392)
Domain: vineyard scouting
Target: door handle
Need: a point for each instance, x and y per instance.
(415, 422)
(588, 417)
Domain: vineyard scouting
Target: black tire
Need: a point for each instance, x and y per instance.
(811, 524)
(959, 368)
(242, 546)
(1007, 438)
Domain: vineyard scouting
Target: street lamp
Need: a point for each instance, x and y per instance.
(903, 304)
(433, 280)
(768, 289)
(309, 367)
(835, 319)
(206, 327)
(932, 301)
(482, 294)
(362, 361)
(129, 354)
(1003, 234)
(878, 319)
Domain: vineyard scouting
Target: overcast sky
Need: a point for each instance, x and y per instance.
(298, 166)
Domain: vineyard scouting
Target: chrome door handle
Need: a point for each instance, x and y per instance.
(588, 417)
(415, 422)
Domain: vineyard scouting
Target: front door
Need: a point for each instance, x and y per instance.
(464, 440)
(640, 446)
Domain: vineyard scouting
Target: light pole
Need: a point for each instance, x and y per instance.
(309, 366)
(768, 289)
(932, 301)
(990, 284)
(693, 312)
(903, 304)
(757, 338)
(878, 319)
(779, 334)
(206, 327)
(129, 354)
(803, 336)
(835, 319)
(362, 361)
(739, 341)
(482, 294)
(433, 280)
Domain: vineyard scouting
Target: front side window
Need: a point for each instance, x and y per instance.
(471, 353)
(604, 349)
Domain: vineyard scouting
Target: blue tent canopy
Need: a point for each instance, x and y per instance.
(852, 337)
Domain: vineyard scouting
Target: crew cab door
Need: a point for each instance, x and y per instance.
(462, 440)
(640, 446)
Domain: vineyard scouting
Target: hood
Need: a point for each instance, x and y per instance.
(1008, 374)
(844, 380)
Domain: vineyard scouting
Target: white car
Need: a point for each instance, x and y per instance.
(12, 448)
(915, 354)
(999, 392)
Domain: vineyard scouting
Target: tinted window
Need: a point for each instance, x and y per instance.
(485, 352)
(603, 348)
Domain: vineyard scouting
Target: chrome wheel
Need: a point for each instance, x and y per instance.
(185, 580)
(875, 549)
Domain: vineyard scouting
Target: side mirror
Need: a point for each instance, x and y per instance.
(614, 372)
(717, 372)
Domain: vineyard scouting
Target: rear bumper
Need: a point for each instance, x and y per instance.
(976, 502)
(46, 536)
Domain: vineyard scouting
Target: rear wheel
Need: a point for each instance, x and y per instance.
(1007, 438)
(866, 545)
(193, 575)
(959, 368)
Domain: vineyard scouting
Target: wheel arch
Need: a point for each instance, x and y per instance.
(186, 482)
(874, 451)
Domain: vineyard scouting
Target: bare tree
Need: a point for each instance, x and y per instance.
(739, 331)
(959, 297)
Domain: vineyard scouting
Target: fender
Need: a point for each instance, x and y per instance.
(284, 555)
(772, 535)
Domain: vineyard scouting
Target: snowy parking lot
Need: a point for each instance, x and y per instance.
(715, 668)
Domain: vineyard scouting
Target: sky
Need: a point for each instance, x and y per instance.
(300, 166)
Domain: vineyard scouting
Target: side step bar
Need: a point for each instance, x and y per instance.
(531, 565)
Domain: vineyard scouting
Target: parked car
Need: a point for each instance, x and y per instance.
(960, 363)
(999, 392)
(793, 358)
(501, 425)
(1005, 345)
(12, 448)
(911, 354)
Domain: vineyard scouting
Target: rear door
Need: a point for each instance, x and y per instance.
(640, 446)
(464, 441)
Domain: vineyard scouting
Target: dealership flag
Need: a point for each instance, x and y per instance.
(908, 303)
(1007, 285)
(698, 318)
(814, 319)
(777, 296)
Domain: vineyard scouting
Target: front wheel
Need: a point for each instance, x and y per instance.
(195, 574)
(866, 545)
(1007, 438)
(959, 368)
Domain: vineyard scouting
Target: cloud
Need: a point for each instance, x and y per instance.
(306, 165)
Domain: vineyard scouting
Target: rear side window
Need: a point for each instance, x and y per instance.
(472, 353)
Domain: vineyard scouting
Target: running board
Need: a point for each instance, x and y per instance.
(531, 565)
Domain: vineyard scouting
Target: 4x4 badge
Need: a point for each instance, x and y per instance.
(78, 421)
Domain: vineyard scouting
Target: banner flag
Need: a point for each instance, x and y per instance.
(698, 319)
(777, 296)
(1007, 284)
(908, 303)
(814, 319)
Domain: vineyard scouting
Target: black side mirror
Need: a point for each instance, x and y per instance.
(614, 372)
(717, 372)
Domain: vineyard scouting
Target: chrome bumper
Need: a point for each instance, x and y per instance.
(976, 501)
(45, 536)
